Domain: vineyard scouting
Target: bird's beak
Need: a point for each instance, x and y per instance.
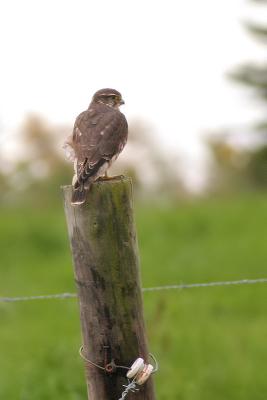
(122, 102)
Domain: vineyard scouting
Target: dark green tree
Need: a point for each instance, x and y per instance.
(237, 169)
(254, 76)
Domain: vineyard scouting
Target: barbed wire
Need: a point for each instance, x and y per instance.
(180, 286)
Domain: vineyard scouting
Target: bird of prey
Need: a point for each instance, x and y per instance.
(99, 135)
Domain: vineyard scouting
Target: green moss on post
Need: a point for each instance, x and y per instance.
(106, 268)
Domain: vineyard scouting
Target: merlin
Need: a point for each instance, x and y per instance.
(99, 135)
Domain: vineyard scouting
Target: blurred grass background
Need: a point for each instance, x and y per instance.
(209, 341)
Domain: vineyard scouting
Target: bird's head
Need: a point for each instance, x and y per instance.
(110, 97)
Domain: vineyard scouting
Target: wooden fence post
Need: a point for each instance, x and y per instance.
(106, 268)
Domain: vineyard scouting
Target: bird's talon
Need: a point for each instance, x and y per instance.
(105, 178)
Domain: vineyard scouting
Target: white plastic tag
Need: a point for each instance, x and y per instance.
(143, 376)
(137, 367)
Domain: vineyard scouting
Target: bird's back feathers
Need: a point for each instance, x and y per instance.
(99, 135)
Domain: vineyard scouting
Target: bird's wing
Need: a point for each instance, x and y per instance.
(97, 138)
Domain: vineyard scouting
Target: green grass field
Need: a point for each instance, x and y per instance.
(210, 342)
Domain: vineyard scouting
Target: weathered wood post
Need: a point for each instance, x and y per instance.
(106, 268)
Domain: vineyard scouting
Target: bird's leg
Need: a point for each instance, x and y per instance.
(110, 178)
(105, 177)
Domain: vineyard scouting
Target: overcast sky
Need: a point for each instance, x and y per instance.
(168, 59)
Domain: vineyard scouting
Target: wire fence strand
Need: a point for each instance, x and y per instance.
(205, 284)
(180, 286)
(39, 297)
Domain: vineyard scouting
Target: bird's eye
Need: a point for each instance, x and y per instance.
(110, 96)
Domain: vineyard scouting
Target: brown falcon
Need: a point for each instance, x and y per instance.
(99, 135)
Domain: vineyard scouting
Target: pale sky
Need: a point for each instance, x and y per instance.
(168, 59)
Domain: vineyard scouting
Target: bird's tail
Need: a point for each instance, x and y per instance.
(78, 195)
